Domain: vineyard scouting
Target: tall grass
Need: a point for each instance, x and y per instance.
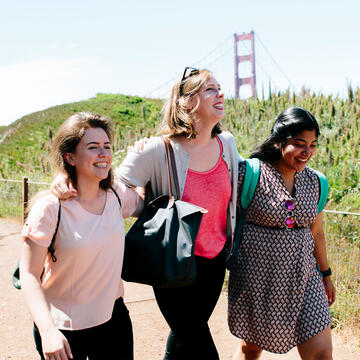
(24, 147)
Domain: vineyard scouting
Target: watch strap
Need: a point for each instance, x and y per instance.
(326, 273)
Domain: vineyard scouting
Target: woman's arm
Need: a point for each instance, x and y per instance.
(135, 170)
(131, 202)
(32, 261)
(138, 166)
(321, 258)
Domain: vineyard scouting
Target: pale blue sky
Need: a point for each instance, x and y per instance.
(58, 52)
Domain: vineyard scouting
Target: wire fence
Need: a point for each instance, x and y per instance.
(14, 195)
(341, 229)
(343, 246)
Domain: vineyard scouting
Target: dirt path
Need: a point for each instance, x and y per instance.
(150, 329)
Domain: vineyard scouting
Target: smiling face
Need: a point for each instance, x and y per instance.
(211, 102)
(93, 156)
(298, 150)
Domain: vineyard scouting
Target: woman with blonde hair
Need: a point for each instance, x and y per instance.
(74, 291)
(207, 167)
(207, 162)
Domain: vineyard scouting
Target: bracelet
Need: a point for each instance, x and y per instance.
(326, 273)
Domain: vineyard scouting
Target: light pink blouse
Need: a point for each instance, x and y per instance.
(83, 284)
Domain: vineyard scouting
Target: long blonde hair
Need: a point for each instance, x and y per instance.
(178, 119)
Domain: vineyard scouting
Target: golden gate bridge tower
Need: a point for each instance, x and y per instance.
(251, 80)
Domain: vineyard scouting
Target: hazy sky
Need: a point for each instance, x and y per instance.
(53, 52)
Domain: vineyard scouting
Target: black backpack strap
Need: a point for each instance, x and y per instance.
(116, 195)
(51, 247)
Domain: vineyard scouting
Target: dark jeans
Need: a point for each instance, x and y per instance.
(112, 340)
(188, 309)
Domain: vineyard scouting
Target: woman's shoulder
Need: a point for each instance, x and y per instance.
(44, 208)
(128, 197)
(155, 140)
(256, 166)
(118, 188)
(312, 174)
(226, 136)
(229, 145)
(152, 146)
(44, 199)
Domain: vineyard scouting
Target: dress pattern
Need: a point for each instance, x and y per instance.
(276, 296)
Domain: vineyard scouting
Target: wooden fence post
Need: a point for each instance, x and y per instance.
(25, 198)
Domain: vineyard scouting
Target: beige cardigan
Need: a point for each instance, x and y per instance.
(138, 168)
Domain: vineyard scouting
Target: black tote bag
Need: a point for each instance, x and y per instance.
(159, 247)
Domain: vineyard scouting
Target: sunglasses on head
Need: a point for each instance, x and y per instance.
(188, 72)
(290, 206)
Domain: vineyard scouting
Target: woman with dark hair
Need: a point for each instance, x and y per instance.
(74, 291)
(277, 297)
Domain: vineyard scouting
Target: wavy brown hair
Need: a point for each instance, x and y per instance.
(68, 137)
(178, 119)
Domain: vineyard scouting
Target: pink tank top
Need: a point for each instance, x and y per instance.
(210, 190)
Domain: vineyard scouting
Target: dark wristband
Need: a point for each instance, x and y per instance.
(326, 273)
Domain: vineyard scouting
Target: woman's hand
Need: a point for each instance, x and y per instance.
(141, 191)
(329, 289)
(61, 187)
(55, 345)
(139, 145)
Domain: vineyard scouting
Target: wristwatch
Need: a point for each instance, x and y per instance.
(326, 273)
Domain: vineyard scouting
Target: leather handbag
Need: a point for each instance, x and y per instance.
(159, 247)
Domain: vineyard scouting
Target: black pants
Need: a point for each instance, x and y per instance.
(188, 309)
(112, 340)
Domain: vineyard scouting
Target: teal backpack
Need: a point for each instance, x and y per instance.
(252, 174)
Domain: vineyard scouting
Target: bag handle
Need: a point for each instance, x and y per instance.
(168, 170)
(169, 152)
(174, 169)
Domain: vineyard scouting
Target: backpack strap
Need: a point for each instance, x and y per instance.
(51, 250)
(252, 173)
(51, 247)
(116, 195)
(324, 190)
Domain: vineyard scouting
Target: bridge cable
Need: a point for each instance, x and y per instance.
(194, 64)
(272, 58)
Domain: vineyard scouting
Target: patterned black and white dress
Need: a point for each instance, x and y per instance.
(276, 296)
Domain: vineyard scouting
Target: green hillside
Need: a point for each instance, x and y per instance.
(24, 145)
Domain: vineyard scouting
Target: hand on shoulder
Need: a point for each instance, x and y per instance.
(61, 188)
